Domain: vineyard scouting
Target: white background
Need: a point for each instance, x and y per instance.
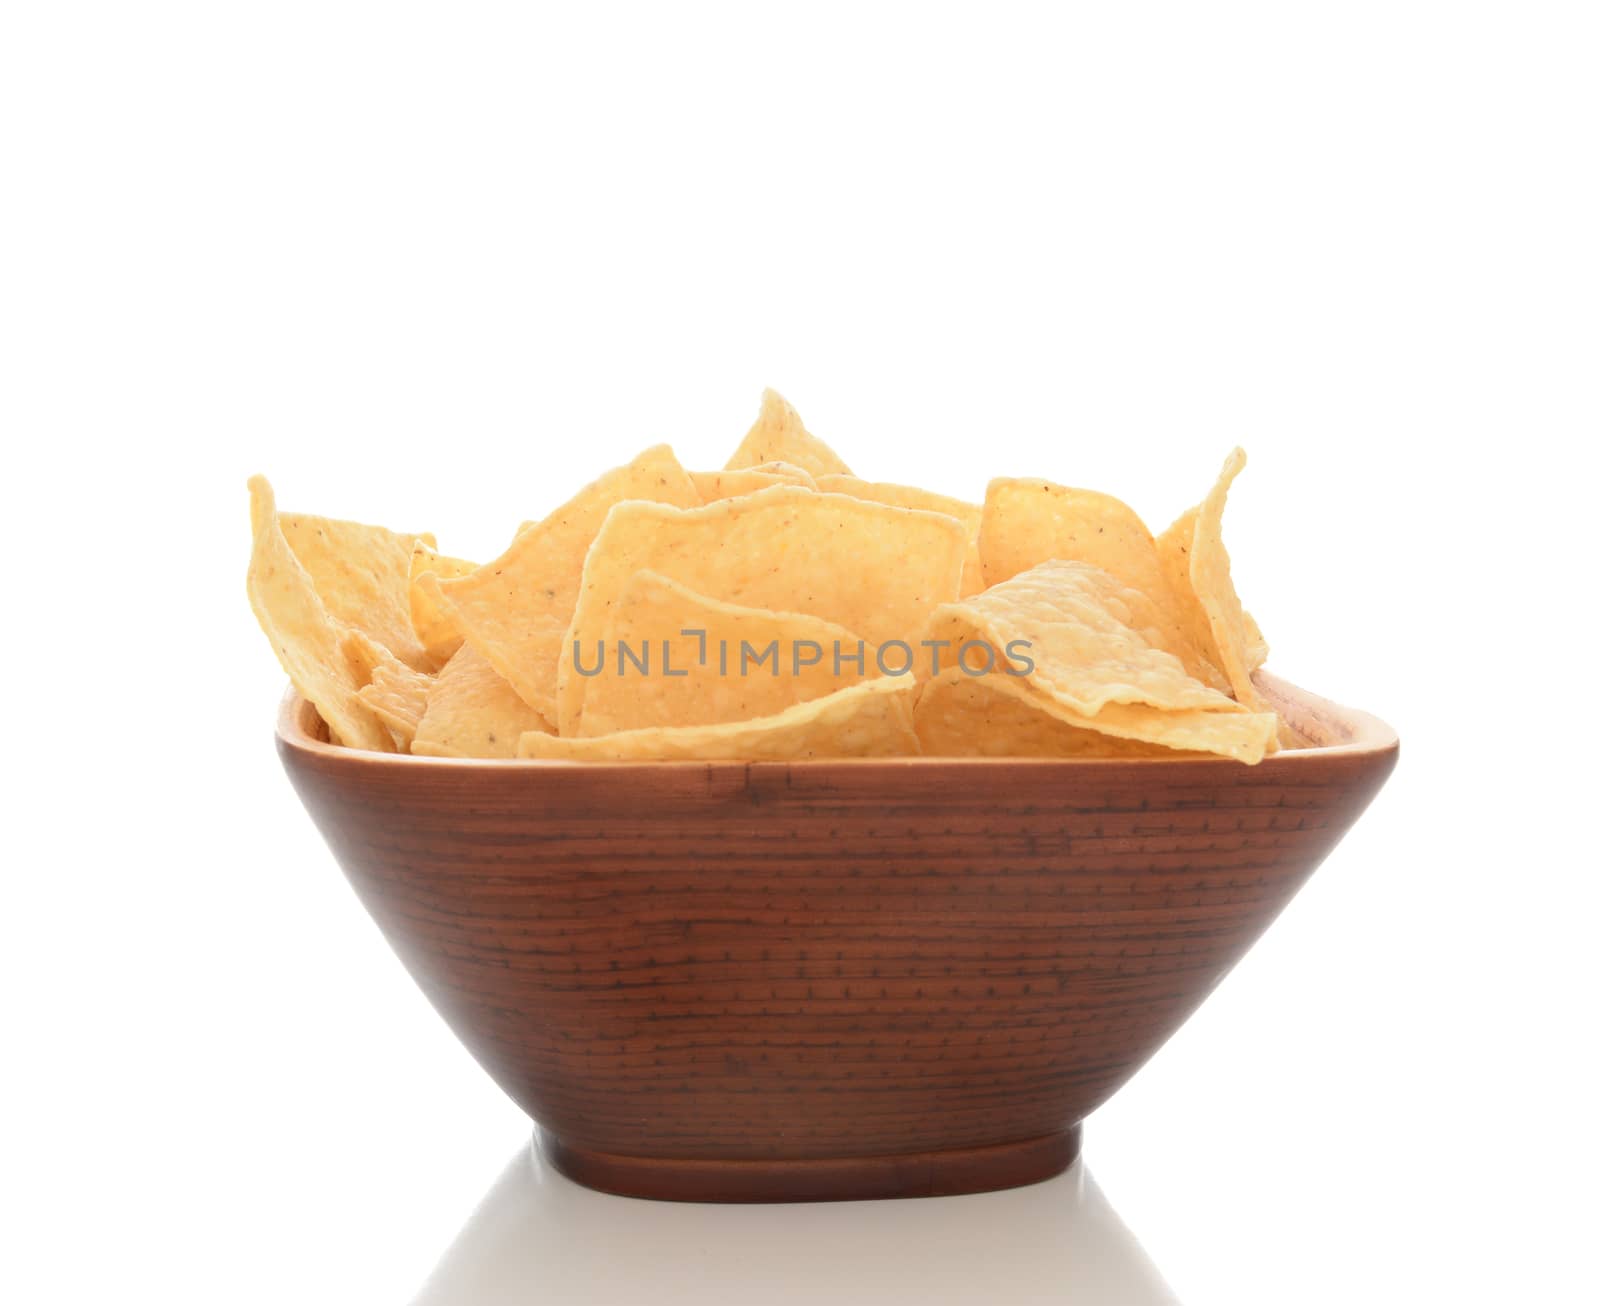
(437, 265)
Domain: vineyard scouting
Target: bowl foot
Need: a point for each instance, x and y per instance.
(834, 1179)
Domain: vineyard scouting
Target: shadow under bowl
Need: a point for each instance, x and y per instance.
(721, 981)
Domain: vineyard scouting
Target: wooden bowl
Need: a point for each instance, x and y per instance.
(872, 978)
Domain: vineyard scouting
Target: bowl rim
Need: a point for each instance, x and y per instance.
(1349, 732)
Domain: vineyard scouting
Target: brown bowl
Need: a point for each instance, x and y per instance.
(768, 982)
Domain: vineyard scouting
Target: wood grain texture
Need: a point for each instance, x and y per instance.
(718, 981)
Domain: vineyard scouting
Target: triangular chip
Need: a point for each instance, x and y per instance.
(790, 472)
(1070, 626)
(362, 574)
(472, 712)
(1027, 521)
(672, 657)
(1061, 633)
(970, 515)
(396, 703)
(875, 570)
(515, 610)
(435, 630)
(1123, 729)
(747, 480)
(780, 436)
(1255, 644)
(1199, 576)
(871, 719)
(958, 715)
(307, 640)
(397, 696)
(1244, 736)
(394, 692)
(365, 655)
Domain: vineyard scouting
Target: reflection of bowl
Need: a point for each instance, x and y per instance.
(874, 978)
(536, 1236)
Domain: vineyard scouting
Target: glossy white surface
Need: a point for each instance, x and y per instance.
(1056, 1241)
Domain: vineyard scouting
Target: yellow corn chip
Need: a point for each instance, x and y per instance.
(306, 638)
(393, 691)
(1061, 635)
(909, 496)
(1028, 521)
(397, 696)
(1255, 643)
(778, 608)
(1199, 577)
(789, 472)
(435, 631)
(1244, 736)
(875, 570)
(870, 719)
(365, 655)
(472, 712)
(672, 657)
(780, 436)
(747, 480)
(958, 715)
(515, 610)
(362, 574)
(1069, 626)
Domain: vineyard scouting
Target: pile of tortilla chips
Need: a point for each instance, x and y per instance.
(777, 610)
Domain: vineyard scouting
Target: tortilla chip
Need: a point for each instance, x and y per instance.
(365, 655)
(1255, 644)
(1199, 576)
(870, 719)
(873, 569)
(392, 691)
(780, 436)
(651, 673)
(435, 630)
(958, 715)
(515, 610)
(970, 515)
(472, 711)
(306, 638)
(789, 472)
(362, 574)
(1244, 736)
(1061, 633)
(1073, 625)
(747, 480)
(397, 696)
(1027, 521)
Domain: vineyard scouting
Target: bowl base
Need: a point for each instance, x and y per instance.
(834, 1179)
